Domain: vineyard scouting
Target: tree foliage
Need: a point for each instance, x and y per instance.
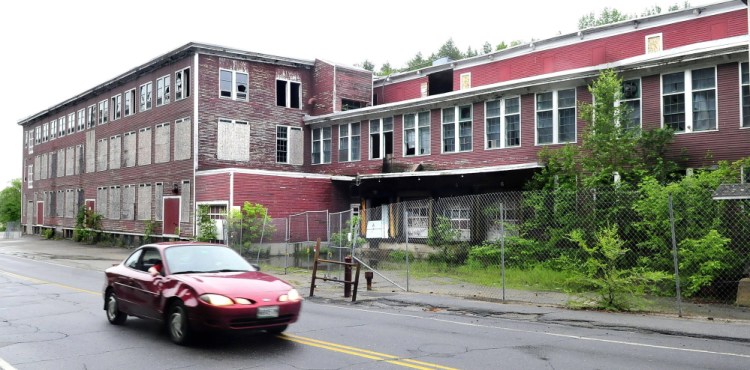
(206, 226)
(10, 202)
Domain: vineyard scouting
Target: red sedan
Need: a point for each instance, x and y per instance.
(198, 286)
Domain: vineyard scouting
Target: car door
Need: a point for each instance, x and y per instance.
(122, 282)
(147, 288)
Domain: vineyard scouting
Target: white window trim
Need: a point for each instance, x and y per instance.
(639, 98)
(456, 130)
(742, 113)
(116, 114)
(288, 92)
(556, 118)
(71, 124)
(688, 93)
(133, 104)
(381, 133)
(52, 130)
(165, 93)
(234, 91)
(503, 128)
(349, 142)
(62, 126)
(185, 89)
(91, 113)
(661, 42)
(81, 118)
(320, 145)
(149, 101)
(417, 130)
(103, 111)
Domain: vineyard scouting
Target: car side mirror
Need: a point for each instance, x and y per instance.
(256, 267)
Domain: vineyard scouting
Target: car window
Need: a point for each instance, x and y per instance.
(132, 261)
(204, 258)
(151, 257)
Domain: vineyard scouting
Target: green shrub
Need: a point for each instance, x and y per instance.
(400, 255)
(702, 261)
(48, 233)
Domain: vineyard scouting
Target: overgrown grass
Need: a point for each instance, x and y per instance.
(535, 278)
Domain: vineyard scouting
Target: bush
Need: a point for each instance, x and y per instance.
(400, 256)
(48, 233)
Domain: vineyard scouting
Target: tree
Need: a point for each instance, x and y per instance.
(449, 50)
(607, 16)
(10, 202)
(501, 46)
(417, 62)
(486, 48)
(470, 53)
(386, 69)
(206, 226)
(368, 65)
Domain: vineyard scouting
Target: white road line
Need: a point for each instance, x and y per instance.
(5, 366)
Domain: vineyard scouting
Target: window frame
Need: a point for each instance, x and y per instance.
(81, 117)
(184, 89)
(163, 93)
(52, 129)
(556, 110)
(419, 129)
(318, 139)
(288, 94)
(348, 139)
(71, 123)
(744, 95)
(129, 110)
(91, 121)
(103, 110)
(502, 116)
(628, 101)
(381, 137)
(234, 92)
(116, 107)
(287, 132)
(146, 102)
(456, 122)
(688, 94)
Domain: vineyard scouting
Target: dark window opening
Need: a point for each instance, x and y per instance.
(281, 93)
(294, 95)
(388, 137)
(440, 82)
(290, 98)
(374, 99)
(347, 104)
(375, 145)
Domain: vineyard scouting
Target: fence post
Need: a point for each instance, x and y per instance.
(406, 227)
(307, 225)
(502, 246)
(674, 256)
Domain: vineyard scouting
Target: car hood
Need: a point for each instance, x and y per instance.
(236, 284)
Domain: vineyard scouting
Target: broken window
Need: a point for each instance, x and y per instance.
(182, 84)
(91, 122)
(129, 107)
(348, 104)
(233, 84)
(288, 94)
(440, 82)
(145, 101)
(81, 119)
(417, 134)
(71, 123)
(162, 90)
(381, 138)
(103, 111)
(116, 106)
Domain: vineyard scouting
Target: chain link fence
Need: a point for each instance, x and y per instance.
(548, 247)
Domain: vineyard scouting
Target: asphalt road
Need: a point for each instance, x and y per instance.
(51, 317)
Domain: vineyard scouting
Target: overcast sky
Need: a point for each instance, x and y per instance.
(54, 50)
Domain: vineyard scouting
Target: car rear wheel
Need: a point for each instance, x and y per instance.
(276, 330)
(178, 325)
(114, 315)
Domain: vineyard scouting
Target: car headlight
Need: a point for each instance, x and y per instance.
(291, 296)
(216, 300)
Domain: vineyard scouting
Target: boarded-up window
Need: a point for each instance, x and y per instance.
(44, 167)
(30, 214)
(70, 158)
(114, 203)
(129, 147)
(115, 152)
(158, 193)
(101, 154)
(101, 201)
(79, 160)
(296, 146)
(60, 163)
(182, 143)
(53, 165)
(90, 151)
(128, 202)
(70, 205)
(233, 140)
(144, 146)
(144, 202)
(37, 167)
(60, 206)
(185, 200)
(161, 143)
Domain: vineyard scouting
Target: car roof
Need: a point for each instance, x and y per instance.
(164, 245)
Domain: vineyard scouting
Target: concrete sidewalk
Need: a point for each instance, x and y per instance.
(718, 324)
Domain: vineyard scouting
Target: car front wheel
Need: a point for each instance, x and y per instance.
(114, 315)
(178, 325)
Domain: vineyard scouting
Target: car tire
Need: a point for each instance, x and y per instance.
(276, 330)
(114, 315)
(178, 325)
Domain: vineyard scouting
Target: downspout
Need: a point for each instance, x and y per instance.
(195, 139)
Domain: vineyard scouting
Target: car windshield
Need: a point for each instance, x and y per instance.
(186, 259)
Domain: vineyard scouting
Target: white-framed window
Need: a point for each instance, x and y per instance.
(163, 95)
(321, 145)
(38, 134)
(116, 107)
(556, 117)
(288, 93)
(460, 219)
(30, 141)
(71, 123)
(417, 221)
(45, 132)
(103, 111)
(631, 97)
(81, 119)
(381, 137)
(129, 103)
(416, 134)
(61, 126)
(182, 84)
(349, 142)
(695, 89)
(145, 100)
(30, 177)
(91, 122)
(53, 129)
(745, 94)
(233, 84)
(457, 129)
(503, 123)
(288, 140)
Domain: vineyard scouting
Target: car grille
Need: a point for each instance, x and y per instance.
(246, 322)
